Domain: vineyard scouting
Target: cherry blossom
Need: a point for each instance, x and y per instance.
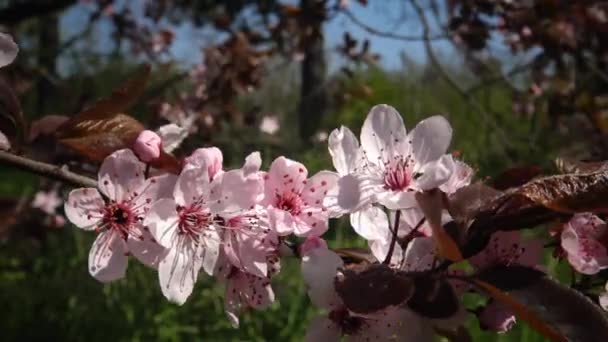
(603, 298)
(397, 164)
(118, 220)
(460, 177)
(147, 146)
(210, 157)
(319, 268)
(583, 241)
(47, 201)
(8, 50)
(245, 290)
(270, 125)
(189, 224)
(295, 203)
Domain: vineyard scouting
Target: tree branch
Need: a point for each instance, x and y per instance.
(25, 10)
(46, 170)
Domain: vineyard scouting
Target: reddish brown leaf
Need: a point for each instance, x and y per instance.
(94, 118)
(370, 288)
(571, 193)
(520, 311)
(565, 165)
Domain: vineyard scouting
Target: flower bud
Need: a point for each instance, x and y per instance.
(147, 146)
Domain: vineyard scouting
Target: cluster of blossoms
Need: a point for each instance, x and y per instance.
(234, 224)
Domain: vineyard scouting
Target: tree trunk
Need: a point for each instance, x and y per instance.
(313, 93)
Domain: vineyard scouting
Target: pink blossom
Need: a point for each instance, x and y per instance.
(319, 268)
(461, 175)
(189, 225)
(270, 125)
(211, 157)
(5, 144)
(295, 203)
(119, 219)
(8, 50)
(397, 165)
(603, 298)
(582, 241)
(509, 248)
(496, 317)
(147, 146)
(47, 201)
(172, 136)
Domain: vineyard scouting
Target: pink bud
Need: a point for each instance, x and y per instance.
(312, 243)
(497, 318)
(147, 146)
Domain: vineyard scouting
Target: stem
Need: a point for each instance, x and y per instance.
(46, 170)
(391, 248)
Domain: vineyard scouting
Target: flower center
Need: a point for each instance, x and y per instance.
(119, 217)
(398, 174)
(290, 202)
(349, 325)
(193, 221)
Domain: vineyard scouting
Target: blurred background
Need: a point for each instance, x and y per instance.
(521, 82)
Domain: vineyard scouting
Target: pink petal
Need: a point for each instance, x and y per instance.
(211, 251)
(319, 269)
(434, 174)
(120, 174)
(84, 208)
(351, 193)
(154, 188)
(192, 184)
(233, 191)
(461, 175)
(317, 186)
(344, 150)
(603, 298)
(284, 175)
(8, 50)
(396, 200)
(162, 220)
(178, 272)
(383, 134)
(145, 248)
(311, 222)
(321, 329)
(430, 139)
(371, 224)
(210, 158)
(420, 255)
(5, 144)
(108, 257)
(252, 165)
(281, 221)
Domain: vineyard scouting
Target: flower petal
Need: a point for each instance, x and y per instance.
(211, 250)
(8, 50)
(434, 174)
(351, 193)
(178, 272)
(192, 184)
(108, 257)
(344, 150)
(371, 223)
(281, 221)
(162, 220)
(210, 158)
(420, 255)
(84, 208)
(284, 175)
(395, 200)
(154, 188)
(319, 269)
(120, 174)
(145, 248)
(430, 139)
(383, 134)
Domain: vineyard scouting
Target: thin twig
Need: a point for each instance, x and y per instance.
(435, 62)
(46, 170)
(387, 34)
(391, 248)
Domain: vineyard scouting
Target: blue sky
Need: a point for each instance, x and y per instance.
(388, 15)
